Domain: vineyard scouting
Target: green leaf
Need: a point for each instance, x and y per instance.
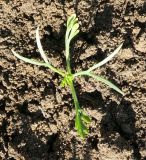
(111, 85)
(85, 130)
(80, 127)
(39, 63)
(72, 23)
(74, 31)
(85, 118)
(43, 55)
(72, 28)
(68, 78)
(80, 123)
(63, 83)
(106, 59)
(29, 60)
(70, 19)
(71, 31)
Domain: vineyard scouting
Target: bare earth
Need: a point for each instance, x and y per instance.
(118, 128)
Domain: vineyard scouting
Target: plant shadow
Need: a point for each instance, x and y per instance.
(118, 119)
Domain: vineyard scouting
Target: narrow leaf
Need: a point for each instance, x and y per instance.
(63, 83)
(106, 59)
(43, 55)
(85, 118)
(111, 85)
(85, 130)
(74, 31)
(39, 63)
(70, 19)
(71, 22)
(29, 60)
(80, 127)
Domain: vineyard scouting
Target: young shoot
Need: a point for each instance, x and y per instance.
(81, 118)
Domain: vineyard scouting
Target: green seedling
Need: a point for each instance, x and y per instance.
(82, 119)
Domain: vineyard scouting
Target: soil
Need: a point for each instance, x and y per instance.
(118, 127)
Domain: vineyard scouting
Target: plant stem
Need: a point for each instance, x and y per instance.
(68, 58)
(56, 70)
(76, 102)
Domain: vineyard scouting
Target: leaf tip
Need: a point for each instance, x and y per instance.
(123, 94)
(13, 52)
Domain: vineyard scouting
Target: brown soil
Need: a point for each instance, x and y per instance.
(118, 128)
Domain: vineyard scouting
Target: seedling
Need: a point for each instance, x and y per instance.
(81, 119)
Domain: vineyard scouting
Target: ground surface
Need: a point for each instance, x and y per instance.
(118, 128)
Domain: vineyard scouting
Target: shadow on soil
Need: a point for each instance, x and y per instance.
(23, 140)
(118, 118)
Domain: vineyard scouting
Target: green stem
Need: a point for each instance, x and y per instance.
(68, 57)
(56, 70)
(72, 88)
(76, 102)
